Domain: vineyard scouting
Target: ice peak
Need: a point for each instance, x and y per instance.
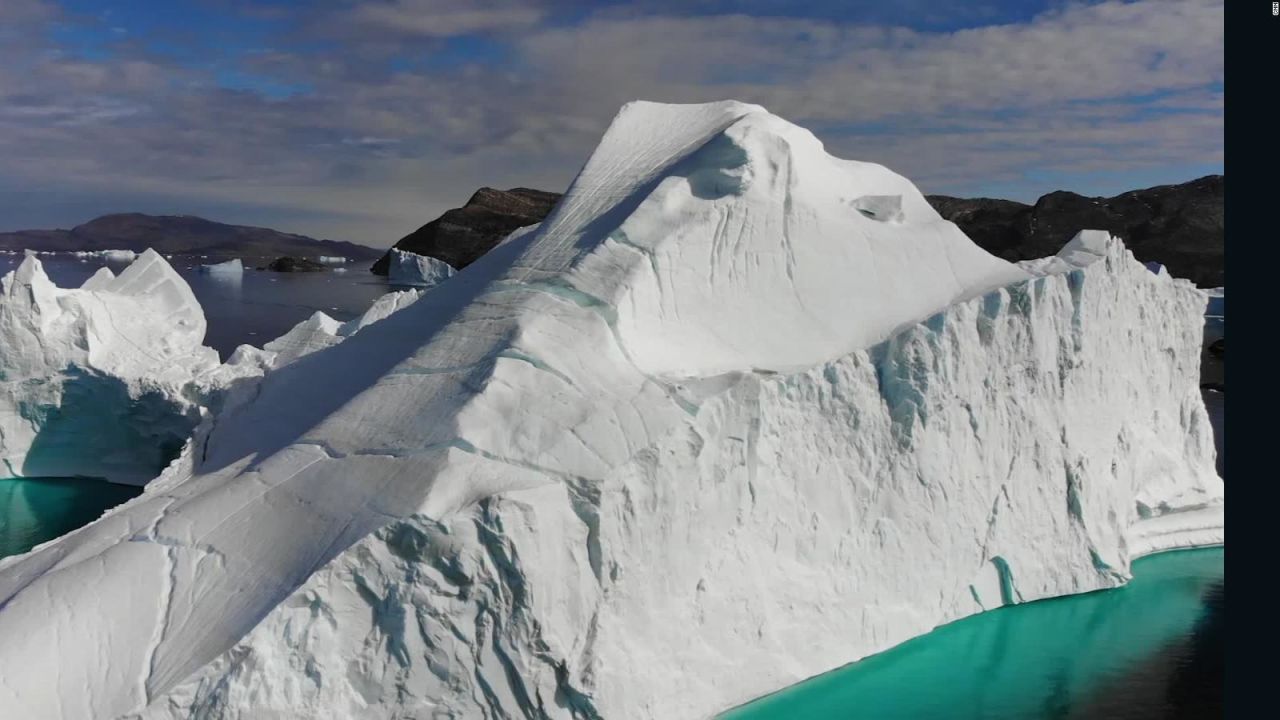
(99, 280)
(726, 238)
(28, 271)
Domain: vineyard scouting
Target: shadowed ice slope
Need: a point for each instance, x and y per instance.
(651, 458)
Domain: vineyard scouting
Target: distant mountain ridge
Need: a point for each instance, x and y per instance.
(1180, 226)
(180, 235)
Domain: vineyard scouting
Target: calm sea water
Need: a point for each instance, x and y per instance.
(36, 510)
(252, 308)
(1151, 650)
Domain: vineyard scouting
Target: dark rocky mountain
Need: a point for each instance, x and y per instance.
(462, 235)
(180, 235)
(293, 264)
(1179, 226)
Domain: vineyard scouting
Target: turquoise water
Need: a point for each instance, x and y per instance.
(1151, 649)
(36, 510)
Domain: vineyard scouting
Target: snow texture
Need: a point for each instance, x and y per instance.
(418, 270)
(735, 414)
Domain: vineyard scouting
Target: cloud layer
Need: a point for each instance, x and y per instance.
(362, 120)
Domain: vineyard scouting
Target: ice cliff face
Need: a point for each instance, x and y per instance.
(736, 413)
(91, 378)
(406, 268)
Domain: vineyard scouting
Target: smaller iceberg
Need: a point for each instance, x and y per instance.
(230, 267)
(332, 260)
(321, 331)
(92, 378)
(117, 256)
(408, 268)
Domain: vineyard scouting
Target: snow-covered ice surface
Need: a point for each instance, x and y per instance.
(91, 378)
(735, 414)
(408, 268)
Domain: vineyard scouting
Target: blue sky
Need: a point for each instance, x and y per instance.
(360, 121)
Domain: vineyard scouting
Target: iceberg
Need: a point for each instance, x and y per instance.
(117, 256)
(332, 260)
(91, 379)
(230, 267)
(111, 380)
(321, 331)
(736, 413)
(408, 268)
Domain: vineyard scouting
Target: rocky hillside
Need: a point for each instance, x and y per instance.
(179, 235)
(463, 234)
(1180, 226)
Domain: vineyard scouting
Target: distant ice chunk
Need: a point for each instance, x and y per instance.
(408, 268)
(117, 256)
(321, 331)
(315, 333)
(230, 267)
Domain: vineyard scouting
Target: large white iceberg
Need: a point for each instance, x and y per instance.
(736, 413)
(91, 379)
(408, 268)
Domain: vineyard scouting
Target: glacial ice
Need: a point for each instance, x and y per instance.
(110, 380)
(230, 267)
(321, 331)
(408, 268)
(736, 413)
(108, 255)
(91, 378)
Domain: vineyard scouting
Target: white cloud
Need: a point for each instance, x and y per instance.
(383, 150)
(439, 18)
